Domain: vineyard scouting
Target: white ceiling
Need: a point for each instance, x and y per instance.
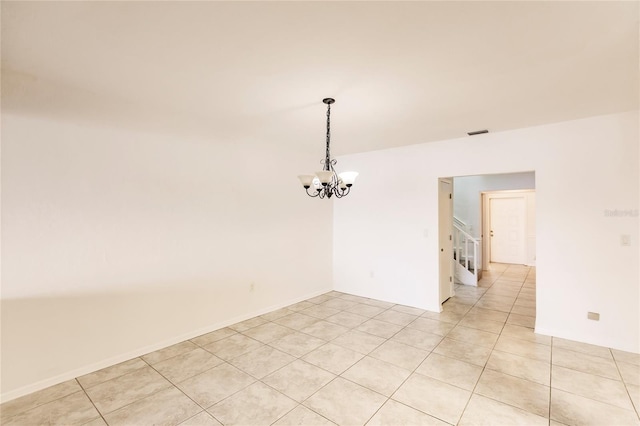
(401, 72)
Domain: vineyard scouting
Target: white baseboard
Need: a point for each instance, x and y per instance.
(81, 371)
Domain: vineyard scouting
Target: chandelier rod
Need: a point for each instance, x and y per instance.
(327, 164)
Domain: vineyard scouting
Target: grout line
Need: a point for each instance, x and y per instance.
(91, 400)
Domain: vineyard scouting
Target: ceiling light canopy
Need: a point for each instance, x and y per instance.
(327, 182)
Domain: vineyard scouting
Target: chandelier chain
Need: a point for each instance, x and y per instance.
(328, 155)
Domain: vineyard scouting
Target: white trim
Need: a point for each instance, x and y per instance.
(43, 384)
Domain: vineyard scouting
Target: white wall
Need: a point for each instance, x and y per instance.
(118, 242)
(467, 198)
(386, 238)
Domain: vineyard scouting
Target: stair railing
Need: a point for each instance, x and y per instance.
(461, 241)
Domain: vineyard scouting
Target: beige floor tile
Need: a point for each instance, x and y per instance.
(75, 408)
(473, 336)
(320, 311)
(96, 422)
(214, 336)
(502, 291)
(452, 305)
(216, 384)
(488, 303)
(628, 357)
(167, 407)
(301, 306)
(320, 299)
(248, 324)
(522, 367)
(524, 333)
(441, 328)
(396, 353)
(431, 396)
(169, 352)
(634, 393)
(201, 419)
(585, 363)
(353, 298)
(358, 341)
(527, 294)
(274, 315)
(576, 410)
(488, 314)
(417, 338)
(525, 303)
(112, 372)
(325, 330)
(345, 403)
(630, 373)
(395, 317)
(449, 317)
(233, 346)
(267, 333)
(473, 354)
(187, 365)
(123, 390)
(302, 416)
(333, 358)
(408, 310)
(365, 310)
(33, 400)
(339, 303)
(397, 414)
(262, 361)
(591, 386)
(299, 380)
(347, 319)
(297, 321)
(467, 300)
(257, 404)
(377, 375)
(485, 411)
(529, 396)
(500, 298)
(521, 320)
(379, 303)
(449, 370)
(379, 328)
(471, 321)
(297, 344)
(524, 348)
(584, 348)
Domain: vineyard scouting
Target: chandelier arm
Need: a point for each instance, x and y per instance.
(310, 195)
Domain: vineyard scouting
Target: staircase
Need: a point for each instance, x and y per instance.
(466, 252)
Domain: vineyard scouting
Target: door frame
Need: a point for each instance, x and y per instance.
(486, 222)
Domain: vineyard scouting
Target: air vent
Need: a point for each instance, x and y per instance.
(478, 132)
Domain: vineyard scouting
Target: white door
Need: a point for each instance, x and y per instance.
(445, 227)
(507, 229)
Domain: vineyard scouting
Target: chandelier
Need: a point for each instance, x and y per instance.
(327, 182)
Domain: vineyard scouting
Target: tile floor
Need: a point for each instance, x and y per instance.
(346, 360)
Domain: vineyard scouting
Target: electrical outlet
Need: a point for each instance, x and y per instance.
(252, 286)
(593, 316)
